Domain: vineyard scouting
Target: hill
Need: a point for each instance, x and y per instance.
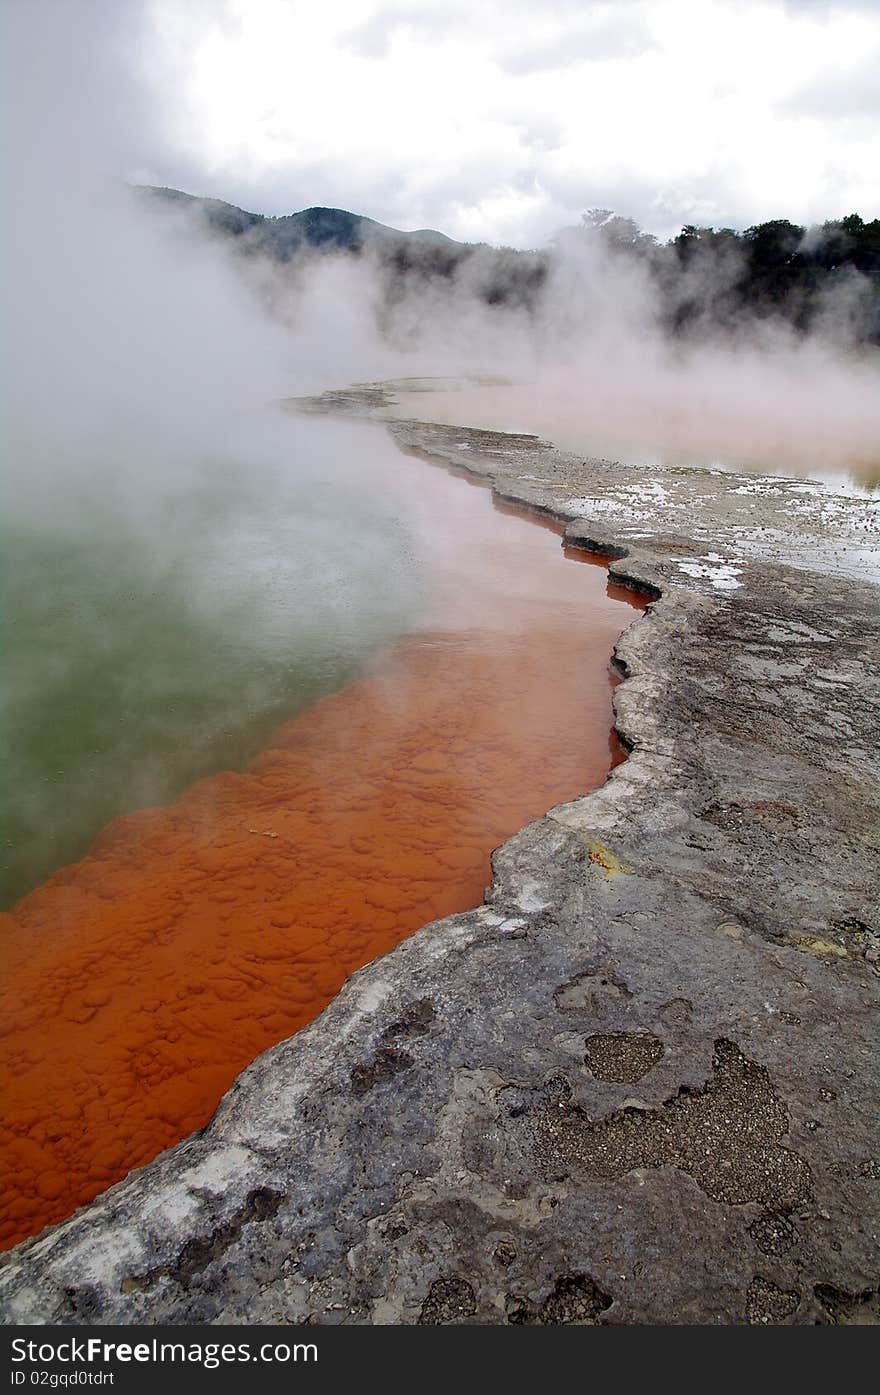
(324, 229)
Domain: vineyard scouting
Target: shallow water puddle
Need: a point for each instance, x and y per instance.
(145, 977)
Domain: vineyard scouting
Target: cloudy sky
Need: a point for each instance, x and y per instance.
(489, 119)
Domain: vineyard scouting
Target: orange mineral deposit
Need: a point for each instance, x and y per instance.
(142, 979)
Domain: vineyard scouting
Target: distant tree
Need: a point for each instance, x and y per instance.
(595, 218)
(864, 242)
(779, 269)
(693, 240)
(616, 231)
(701, 275)
(776, 241)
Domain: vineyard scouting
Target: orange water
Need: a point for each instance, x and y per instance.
(142, 979)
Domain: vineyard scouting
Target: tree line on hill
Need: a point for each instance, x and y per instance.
(824, 276)
(703, 282)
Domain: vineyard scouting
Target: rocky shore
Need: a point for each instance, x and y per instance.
(637, 1085)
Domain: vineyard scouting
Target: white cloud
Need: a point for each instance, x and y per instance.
(848, 92)
(503, 120)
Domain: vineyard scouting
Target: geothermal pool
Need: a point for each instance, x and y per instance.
(659, 436)
(142, 978)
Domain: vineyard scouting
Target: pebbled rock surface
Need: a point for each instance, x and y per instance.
(639, 1084)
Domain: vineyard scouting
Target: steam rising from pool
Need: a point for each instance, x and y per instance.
(184, 565)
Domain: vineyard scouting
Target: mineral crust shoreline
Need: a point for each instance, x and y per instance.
(637, 1085)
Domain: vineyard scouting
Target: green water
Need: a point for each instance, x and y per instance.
(144, 650)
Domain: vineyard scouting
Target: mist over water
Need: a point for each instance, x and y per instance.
(139, 660)
(593, 368)
(661, 431)
(183, 565)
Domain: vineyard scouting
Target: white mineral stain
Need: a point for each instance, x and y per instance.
(722, 575)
